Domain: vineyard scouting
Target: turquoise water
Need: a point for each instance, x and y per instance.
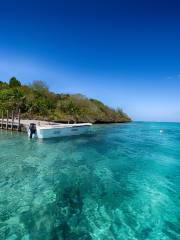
(120, 182)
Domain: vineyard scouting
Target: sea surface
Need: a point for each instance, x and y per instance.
(119, 182)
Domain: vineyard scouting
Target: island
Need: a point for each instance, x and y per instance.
(36, 101)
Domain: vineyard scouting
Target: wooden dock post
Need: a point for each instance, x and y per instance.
(19, 120)
(2, 120)
(7, 119)
(12, 120)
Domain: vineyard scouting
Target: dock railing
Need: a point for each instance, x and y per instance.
(11, 120)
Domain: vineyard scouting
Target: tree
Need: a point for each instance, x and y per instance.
(13, 82)
(36, 101)
(39, 86)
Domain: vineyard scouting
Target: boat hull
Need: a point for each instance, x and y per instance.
(61, 131)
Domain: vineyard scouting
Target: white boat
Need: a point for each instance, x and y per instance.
(58, 130)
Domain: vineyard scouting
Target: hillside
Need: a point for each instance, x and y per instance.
(37, 102)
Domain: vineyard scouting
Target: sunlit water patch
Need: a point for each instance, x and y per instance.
(121, 182)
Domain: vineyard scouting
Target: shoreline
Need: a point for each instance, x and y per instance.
(24, 123)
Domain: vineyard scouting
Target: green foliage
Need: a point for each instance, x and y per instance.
(39, 87)
(13, 82)
(36, 101)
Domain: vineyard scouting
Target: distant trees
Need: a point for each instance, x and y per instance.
(36, 101)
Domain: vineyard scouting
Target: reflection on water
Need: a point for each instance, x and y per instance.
(120, 182)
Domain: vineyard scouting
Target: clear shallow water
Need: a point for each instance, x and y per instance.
(121, 182)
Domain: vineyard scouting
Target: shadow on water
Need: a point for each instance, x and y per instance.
(65, 138)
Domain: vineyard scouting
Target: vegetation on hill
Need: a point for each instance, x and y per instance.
(37, 102)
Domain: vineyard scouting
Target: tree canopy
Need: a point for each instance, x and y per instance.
(13, 82)
(36, 101)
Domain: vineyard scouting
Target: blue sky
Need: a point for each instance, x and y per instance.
(125, 53)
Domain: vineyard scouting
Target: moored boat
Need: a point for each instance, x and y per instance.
(58, 130)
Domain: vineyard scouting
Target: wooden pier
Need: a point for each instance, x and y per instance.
(11, 121)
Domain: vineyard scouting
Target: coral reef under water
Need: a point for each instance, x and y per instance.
(120, 182)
